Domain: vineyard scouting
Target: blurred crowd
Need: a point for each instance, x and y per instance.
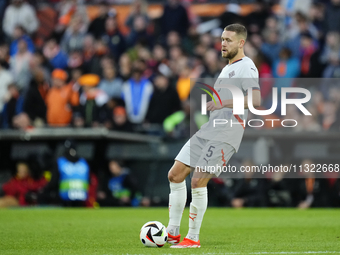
(69, 180)
(277, 189)
(87, 73)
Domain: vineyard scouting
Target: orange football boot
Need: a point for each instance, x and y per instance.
(187, 243)
(173, 239)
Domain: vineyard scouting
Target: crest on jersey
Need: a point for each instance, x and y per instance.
(232, 74)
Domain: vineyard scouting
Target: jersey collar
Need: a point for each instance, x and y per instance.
(235, 61)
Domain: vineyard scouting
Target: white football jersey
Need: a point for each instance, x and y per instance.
(243, 74)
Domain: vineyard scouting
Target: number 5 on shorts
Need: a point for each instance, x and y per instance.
(210, 151)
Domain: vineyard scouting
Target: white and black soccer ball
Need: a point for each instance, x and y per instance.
(153, 234)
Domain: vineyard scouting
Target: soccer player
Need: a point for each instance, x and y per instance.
(211, 146)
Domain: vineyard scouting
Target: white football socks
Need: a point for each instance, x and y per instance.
(198, 206)
(177, 200)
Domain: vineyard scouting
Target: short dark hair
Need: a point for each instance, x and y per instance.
(238, 29)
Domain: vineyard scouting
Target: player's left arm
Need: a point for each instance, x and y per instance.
(256, 96)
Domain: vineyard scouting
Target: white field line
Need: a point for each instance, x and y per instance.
(254, 253)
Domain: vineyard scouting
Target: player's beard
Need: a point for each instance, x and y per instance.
(231, 54)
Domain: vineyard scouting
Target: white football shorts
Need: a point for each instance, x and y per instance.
(202, 153)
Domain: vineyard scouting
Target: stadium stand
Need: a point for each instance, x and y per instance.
(146, 48)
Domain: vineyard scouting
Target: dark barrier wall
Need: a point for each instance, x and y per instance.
(150, 158)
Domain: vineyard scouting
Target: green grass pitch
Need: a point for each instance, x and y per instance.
(116, 231)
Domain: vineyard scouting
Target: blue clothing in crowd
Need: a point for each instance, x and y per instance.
(13, 49)
(60, 60)
(112, 88)
(137, 96)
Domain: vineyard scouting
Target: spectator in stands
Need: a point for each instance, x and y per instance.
(120, 121)
(20, 190)
(4, 55)
(3, 5)
(69, 9)
(205, 43)
(75, 59)
(164, 101)
(250, 50)
(146, 56)
(257, 18)
(183, 83)
(180, 124)
(212, 69)
(333, 68)
(308, 191)
(56, 57)
(89, 49)
(107, 61)
(310, 123)
(97, 26)
(118, 187)
(328, 90)
(304, 28)
(329, 115)
(19, 65)
(125, 67)
(332, 17)
(278, 190)
(93, 110)
(307, 48)
(70, 180)
(250, 191)
(39, 61)
(220, 191)
(113, 38)
(139, 33)
(330, 57)
(292, 7)
(74, 35)
(335, 191)
(316, 68)
(161, 62)
(265, 74)
(173, 39)
(34, 103)
(6, 78)
(12, 107)
(286, 66)
(111, 84)
(317, 16)
(216, 39)
(159, 54)
(332, 47)
(176, 54)
(292, 113)
(318, 101)
(76, 73)
(22, 121)
(20, 34)
(231, 15)
(272, 23)
(60, 99)
(174, 18)
(22, 14)
(138, 9)
(137, 92)
(92, 62)
(271, 47)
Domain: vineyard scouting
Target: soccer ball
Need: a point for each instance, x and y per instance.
(153, 234)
